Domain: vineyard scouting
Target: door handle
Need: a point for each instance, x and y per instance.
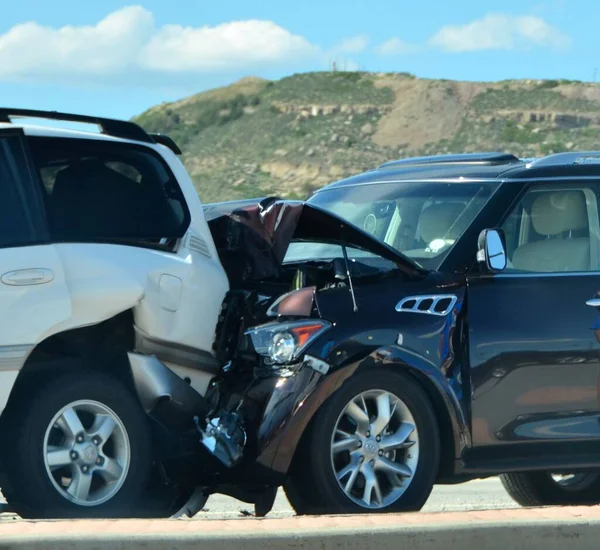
(27, 277)
(594, 302)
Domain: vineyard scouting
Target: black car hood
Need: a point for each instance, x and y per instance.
(252, 238)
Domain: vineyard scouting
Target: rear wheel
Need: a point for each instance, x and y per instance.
(373, 447)
(79, 447)
(546, 489)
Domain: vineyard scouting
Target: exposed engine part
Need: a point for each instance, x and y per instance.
(194, 504)
(224, 437)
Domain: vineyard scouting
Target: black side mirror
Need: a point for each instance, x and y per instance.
(492, 249)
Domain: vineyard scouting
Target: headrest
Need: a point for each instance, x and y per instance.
(554, 213)
(77, 176)
(437, 219)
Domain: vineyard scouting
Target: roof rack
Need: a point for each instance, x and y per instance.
(466, 158)
(162, 139)
(576, 157)
(111, 127)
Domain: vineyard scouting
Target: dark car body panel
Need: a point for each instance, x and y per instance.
(393, 340)
(535, 362)
(513, 370)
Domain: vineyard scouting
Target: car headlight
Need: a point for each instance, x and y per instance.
(283, 343)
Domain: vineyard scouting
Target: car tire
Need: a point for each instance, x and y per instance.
(94, 420)
(369, 473)
(542, 489)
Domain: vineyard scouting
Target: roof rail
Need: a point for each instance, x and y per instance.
(111, 127)
(575, 157)
(167, 142)
(466, 158)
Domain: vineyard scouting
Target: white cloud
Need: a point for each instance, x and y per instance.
(230, 45)
(128, 42)
(396, 46)
(110, 46)
(355, 44)
(499, 32)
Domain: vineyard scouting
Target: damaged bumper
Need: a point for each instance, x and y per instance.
(252, 432)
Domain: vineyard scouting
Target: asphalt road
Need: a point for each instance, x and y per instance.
(487, 494)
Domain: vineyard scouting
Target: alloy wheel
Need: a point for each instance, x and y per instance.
(375, 449)
(574, 482)
(87, 453)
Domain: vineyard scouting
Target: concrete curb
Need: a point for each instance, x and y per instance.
(525, 529)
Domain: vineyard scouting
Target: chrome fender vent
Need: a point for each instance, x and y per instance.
(438, 304)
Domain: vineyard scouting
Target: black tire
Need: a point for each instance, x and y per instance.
(312, 487)
(540, 489)
(160, 501)
(28, 487)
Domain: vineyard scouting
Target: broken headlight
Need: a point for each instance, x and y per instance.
(284, 343)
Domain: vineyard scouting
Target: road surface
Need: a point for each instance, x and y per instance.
(487, 494)
(476, 495)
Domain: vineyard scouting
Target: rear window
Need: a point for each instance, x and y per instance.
(105, 192)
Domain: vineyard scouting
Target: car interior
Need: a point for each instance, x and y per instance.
(108, 194)
(551, 231)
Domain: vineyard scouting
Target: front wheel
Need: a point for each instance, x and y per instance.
(373, 447)
(79, 447)
(547, 489)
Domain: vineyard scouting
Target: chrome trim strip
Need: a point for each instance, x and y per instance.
(14, 357)
(418, 300)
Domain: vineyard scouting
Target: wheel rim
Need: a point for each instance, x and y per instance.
(375, 449)
(87, 453)
(574, 482)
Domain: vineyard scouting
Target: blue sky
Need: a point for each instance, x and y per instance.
(114, 58)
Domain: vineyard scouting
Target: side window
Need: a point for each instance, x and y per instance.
(19, 202)
(554, 229)
(106, 192)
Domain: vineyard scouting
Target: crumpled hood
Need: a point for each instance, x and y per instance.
(252, 237)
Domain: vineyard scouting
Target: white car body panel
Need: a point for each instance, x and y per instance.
(175, 296)
(30, 310)
(104, 280)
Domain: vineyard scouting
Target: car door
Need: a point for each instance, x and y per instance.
(34, 298)
(534, 353)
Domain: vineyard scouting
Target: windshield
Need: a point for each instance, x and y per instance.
(421, 220)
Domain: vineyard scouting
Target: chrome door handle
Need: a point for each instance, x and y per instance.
(594, 302)
(27, 277)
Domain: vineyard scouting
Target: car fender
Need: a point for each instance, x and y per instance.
(297, 401)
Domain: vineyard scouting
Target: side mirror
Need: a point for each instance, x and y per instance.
(492, 249)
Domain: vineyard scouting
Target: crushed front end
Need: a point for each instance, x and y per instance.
(272, 337)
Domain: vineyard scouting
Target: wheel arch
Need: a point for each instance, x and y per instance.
(454, 432)
(101, 346)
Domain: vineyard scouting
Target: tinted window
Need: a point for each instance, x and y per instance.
(18, 223)
(98, 191)
(554, 229)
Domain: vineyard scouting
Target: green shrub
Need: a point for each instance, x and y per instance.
(548, 84)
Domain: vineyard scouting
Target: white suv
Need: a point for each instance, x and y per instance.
(106, 265)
